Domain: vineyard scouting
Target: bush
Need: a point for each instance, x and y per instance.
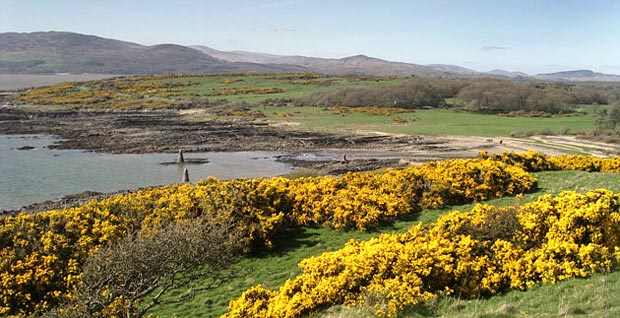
(470, 254)
(118, 278)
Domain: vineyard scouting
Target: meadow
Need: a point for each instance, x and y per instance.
(430, 122)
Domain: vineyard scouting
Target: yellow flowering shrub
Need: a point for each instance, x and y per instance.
(534, 161)
(471, 254)
(368, 199)
(466, 180)
(587, 163)
(362, 200)
(42, 253)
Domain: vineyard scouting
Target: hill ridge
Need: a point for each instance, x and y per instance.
(44, 52)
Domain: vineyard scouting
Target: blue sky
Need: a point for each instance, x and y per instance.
(534, 36)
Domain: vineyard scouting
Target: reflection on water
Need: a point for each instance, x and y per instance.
(39, 174)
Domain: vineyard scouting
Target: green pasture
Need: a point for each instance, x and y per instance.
(273, 268)
(292, 87)
(430, 122)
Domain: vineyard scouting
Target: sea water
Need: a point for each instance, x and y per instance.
(40, 174)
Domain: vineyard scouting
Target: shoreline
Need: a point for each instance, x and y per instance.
(168, 131)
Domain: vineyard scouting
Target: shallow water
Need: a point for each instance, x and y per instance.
(30, 176)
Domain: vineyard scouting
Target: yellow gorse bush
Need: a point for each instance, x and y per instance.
(111, 93)
(470, 254)
(534, 161)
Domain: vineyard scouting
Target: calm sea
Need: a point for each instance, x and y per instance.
(39, 174)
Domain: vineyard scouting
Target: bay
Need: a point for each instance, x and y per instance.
(40, 173)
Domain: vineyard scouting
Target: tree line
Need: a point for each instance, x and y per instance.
(477, 95)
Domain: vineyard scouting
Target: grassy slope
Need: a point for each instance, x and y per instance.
(596, 296)
(272, 269)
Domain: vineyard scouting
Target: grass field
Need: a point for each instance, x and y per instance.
(431, 122)
(273, 268)
(292, 86)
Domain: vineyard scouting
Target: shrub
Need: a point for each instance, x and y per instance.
(469, 254)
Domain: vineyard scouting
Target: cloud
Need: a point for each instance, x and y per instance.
(493, 48)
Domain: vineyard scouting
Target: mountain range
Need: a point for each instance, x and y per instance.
(66, 52)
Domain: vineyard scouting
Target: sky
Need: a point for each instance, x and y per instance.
(532, 36)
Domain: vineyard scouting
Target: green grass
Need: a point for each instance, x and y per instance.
(597, 296)
(433, 122)
(273, 268)
(291, 88)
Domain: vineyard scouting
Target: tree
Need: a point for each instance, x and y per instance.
(130, 277)
(613, 115)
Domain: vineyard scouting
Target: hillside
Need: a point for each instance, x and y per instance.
(357, 64)
(454, 69)
(65, 52)
(579, 76)
(507, 73)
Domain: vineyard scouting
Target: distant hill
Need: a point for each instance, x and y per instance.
(239, 56)
(454, 69)
(357, 64)
(579, 76)
(65, 52)
(507, 73)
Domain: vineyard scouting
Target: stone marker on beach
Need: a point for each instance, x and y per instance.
(180, 158)
(185, 175)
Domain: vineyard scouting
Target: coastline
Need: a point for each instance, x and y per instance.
(168, 131)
